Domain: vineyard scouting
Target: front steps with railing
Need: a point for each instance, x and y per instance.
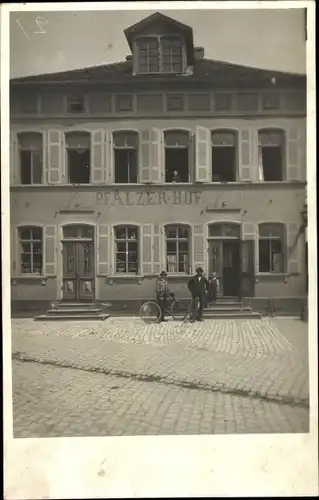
(73, 311)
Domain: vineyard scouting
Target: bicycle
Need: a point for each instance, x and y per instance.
(151, 312)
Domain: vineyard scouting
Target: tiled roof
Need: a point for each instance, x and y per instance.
(205, 70)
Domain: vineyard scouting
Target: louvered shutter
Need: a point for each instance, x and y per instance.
(245, 156)
(145, 170)
(14, 159)
(97, 156)
(50, 251)
(293, 244)
(156, 250)
(203, 166)
(146, 249)
(292, 154)
(55, 156)
(156, 156)
(103, 250)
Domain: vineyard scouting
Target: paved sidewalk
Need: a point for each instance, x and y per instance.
(228, 376)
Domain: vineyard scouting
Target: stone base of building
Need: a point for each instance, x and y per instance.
(278, 306)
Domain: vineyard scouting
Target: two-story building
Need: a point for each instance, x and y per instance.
(167, 161)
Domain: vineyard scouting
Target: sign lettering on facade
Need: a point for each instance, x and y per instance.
(148, 198)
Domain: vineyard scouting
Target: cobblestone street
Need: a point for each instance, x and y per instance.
(124, 377)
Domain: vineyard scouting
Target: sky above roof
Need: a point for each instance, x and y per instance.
(269, 39)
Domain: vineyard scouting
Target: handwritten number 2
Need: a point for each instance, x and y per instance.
(39, 21)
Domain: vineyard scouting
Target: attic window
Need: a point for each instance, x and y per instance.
(76, 104)
(159, 54)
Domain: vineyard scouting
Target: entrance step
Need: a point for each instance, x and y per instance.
(64, 310)
(72, 317)
(77, 305)
(231, 315)
(227, 309)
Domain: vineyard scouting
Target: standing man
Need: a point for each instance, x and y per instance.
(198, 286)
(162, 294)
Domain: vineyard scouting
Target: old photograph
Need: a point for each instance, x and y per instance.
(158, 222)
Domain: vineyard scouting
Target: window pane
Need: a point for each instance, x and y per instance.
(264, 256)
(37, 168)
(183, 232)
(75, 104)
(30, 141)
(271, 230)
(26, 263)
(171, 232)
(223, 138)
(25, 234)
(270, 138)
(37, 263)
(183, 247)
(25, 167)
(37, 248)
(26, 248)
(76, 140)
(132, 233)
(177, 138)
(120, 233)
(171, 247)
(125, 139)
(121, 247)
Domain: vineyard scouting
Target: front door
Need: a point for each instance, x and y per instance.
(78, 270)
(247, 258)
(231, 268)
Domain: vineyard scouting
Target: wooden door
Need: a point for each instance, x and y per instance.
(78, 270)
(216, 261)
(85, 268)
(247, 258)
(69, 251)
(231, 269)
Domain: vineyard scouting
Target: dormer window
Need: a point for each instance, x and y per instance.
(159, 54)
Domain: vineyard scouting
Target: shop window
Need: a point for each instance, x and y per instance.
(224, 156)
(125, 157)
(271, 155)
(31, 155)
(159, 55)
(177, 249)
(176, 156)
(75, 104)
(271, 248)
(78, 150)
(126, 249)
(31, 250)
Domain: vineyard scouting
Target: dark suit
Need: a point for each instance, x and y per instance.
(198, 285)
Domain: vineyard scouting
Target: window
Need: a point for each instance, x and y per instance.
(271, 155)
(271, 248)
(224, 156)
(159, 55)
(126, 249)
(124, 103)
(31, 251)
(28, 103)
(224, 230)
(176, 156)
(270, 101)
(171, 55)
(175, 103)
(30, 154)
(76, 104)
(125, 157)
(148, 55)
(177, 249)
(223, 102)
(78, 149)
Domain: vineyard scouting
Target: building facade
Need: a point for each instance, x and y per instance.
(166, 161)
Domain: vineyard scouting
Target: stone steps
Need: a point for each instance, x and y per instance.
(72, 317)
(73, 311)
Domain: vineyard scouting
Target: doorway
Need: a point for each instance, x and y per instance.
(225, 261)
(78, 263)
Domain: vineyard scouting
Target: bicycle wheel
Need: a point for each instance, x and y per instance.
(150, 312)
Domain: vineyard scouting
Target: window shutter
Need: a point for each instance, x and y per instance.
(50, 251)
(146, 249)
(156, 163)
(145, 173)
(250, 233)
(245, 157)
(257, 249)
(156, 250)
(55, 156)
(103, 250)
(292, 155)
(202, 155)
(14, 159)
(293, 243)
(198, 247)
(97, 156)
(109, 174)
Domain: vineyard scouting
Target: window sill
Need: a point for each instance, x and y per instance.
(271, 277)
(29, 277)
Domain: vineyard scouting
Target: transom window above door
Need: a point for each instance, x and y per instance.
(31, 157)
(224, 156)
(177, 144)
(78, 231)
(78, 151)
(159, 54)
(125, 145)
(224, 230)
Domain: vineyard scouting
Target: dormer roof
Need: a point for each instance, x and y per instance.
(163, 23)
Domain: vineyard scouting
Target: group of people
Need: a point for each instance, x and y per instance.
(203, 291)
